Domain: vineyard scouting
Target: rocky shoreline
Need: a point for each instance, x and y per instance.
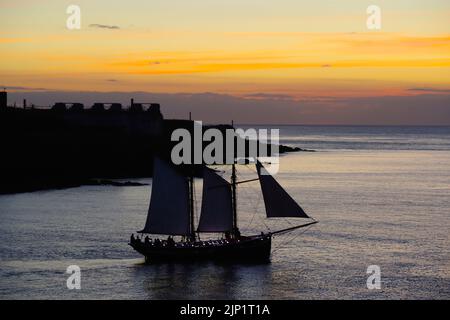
(286, 149)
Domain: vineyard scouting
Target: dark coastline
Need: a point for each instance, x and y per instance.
(53, 149)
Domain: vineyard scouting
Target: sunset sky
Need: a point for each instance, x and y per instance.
(300, 51)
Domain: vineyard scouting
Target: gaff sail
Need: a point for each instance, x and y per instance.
(169, 209)
(277, 201)
(216, 212)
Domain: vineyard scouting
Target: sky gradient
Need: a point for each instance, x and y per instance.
(287, 51)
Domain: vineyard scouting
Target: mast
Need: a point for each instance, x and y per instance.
(234, 199)
(191, 198)
(233, 191)
(191, 207)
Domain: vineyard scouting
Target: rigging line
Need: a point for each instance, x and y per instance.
(252, 168)
(248, 192)
(283, 244)
(257, 207)
(289, 241)
(244, 194)
(267, 227)
(245, 181)
(251, 220)
(255, 211)
(288, 222)
(277, 223)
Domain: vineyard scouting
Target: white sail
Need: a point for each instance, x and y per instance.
(216, 214)
(277, 201)
(169, 205)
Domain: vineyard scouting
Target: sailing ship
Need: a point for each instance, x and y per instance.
(171, 213)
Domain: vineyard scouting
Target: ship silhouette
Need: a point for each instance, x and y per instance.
(171, 212)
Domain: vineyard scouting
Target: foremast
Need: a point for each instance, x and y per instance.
(192, 235)
(235, 231)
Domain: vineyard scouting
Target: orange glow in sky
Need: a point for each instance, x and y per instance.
(234, 47)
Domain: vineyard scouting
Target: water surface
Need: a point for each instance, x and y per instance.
(381, 194)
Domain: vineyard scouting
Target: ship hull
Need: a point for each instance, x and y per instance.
(254, 249)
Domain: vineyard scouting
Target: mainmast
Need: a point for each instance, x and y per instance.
(191, 199)
(233, 191)
(191, 207)
(234, 200)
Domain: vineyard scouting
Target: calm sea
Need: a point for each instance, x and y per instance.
(381, 194)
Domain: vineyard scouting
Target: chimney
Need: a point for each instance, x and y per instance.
(3, 99)
(24, 103)
(132, 102)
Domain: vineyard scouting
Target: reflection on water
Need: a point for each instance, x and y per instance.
(188, 281)
(382, 207)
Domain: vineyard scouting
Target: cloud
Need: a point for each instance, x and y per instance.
(430, 90)
(272, 96)
(22, 88)
(421, 109)
(103, 26)
(112, 80)
(210, 64)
